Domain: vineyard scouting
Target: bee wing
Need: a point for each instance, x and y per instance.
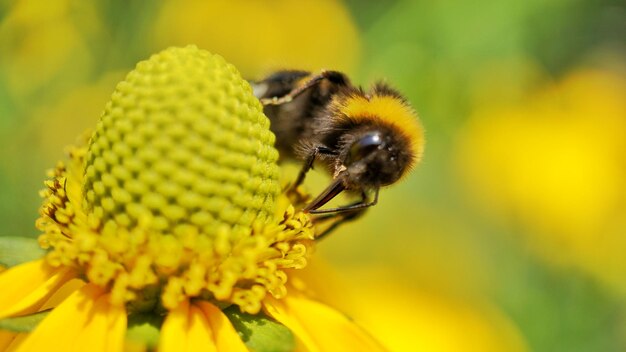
(278, 84)
(259, 89)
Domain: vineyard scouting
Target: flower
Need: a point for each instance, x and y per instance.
(173, 212)
(553, 165)
(281, 34)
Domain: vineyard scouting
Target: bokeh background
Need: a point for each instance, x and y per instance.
(510, 236)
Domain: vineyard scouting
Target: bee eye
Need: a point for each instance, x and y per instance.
(365, 146)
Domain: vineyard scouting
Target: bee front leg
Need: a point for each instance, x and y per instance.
(339, 219)
(309, 161)
(347, 214)
(298, 198)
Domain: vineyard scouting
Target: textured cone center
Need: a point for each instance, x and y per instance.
(184, 144)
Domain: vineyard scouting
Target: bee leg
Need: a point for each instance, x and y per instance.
(309, 161)
(362, 204)
(296, 197)
(339, 218)
(333, 76)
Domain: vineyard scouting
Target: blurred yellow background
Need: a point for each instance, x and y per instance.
(511, 235)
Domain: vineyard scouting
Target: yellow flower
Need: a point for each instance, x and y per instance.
(172, 211)
(555, 165)
(43, 42)
(307, 35)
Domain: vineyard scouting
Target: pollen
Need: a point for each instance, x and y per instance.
(176, 192)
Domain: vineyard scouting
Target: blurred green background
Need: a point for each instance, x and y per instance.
(510, 236)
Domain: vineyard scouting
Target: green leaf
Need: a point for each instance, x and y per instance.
(144, 328)
(26, 323)
(17, 250)
(260, 333)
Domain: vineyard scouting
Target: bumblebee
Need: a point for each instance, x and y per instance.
(365, 139)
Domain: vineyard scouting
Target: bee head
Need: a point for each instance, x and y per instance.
(376, 138)
(382, 137)
(373, 157)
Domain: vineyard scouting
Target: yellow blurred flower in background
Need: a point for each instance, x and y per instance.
(555, 165)
(46, 41)
(266, 35)
(70, 116)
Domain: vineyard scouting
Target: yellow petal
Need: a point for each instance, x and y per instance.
(30, 285)
(199, 334)
(17, 340)
(10, 344)
(319, 327)
(62, 293)
(173, 335)
(105, 328)
(186, 329)
(279, 311)
(59, 330)
(224, 334)
(6, 337)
